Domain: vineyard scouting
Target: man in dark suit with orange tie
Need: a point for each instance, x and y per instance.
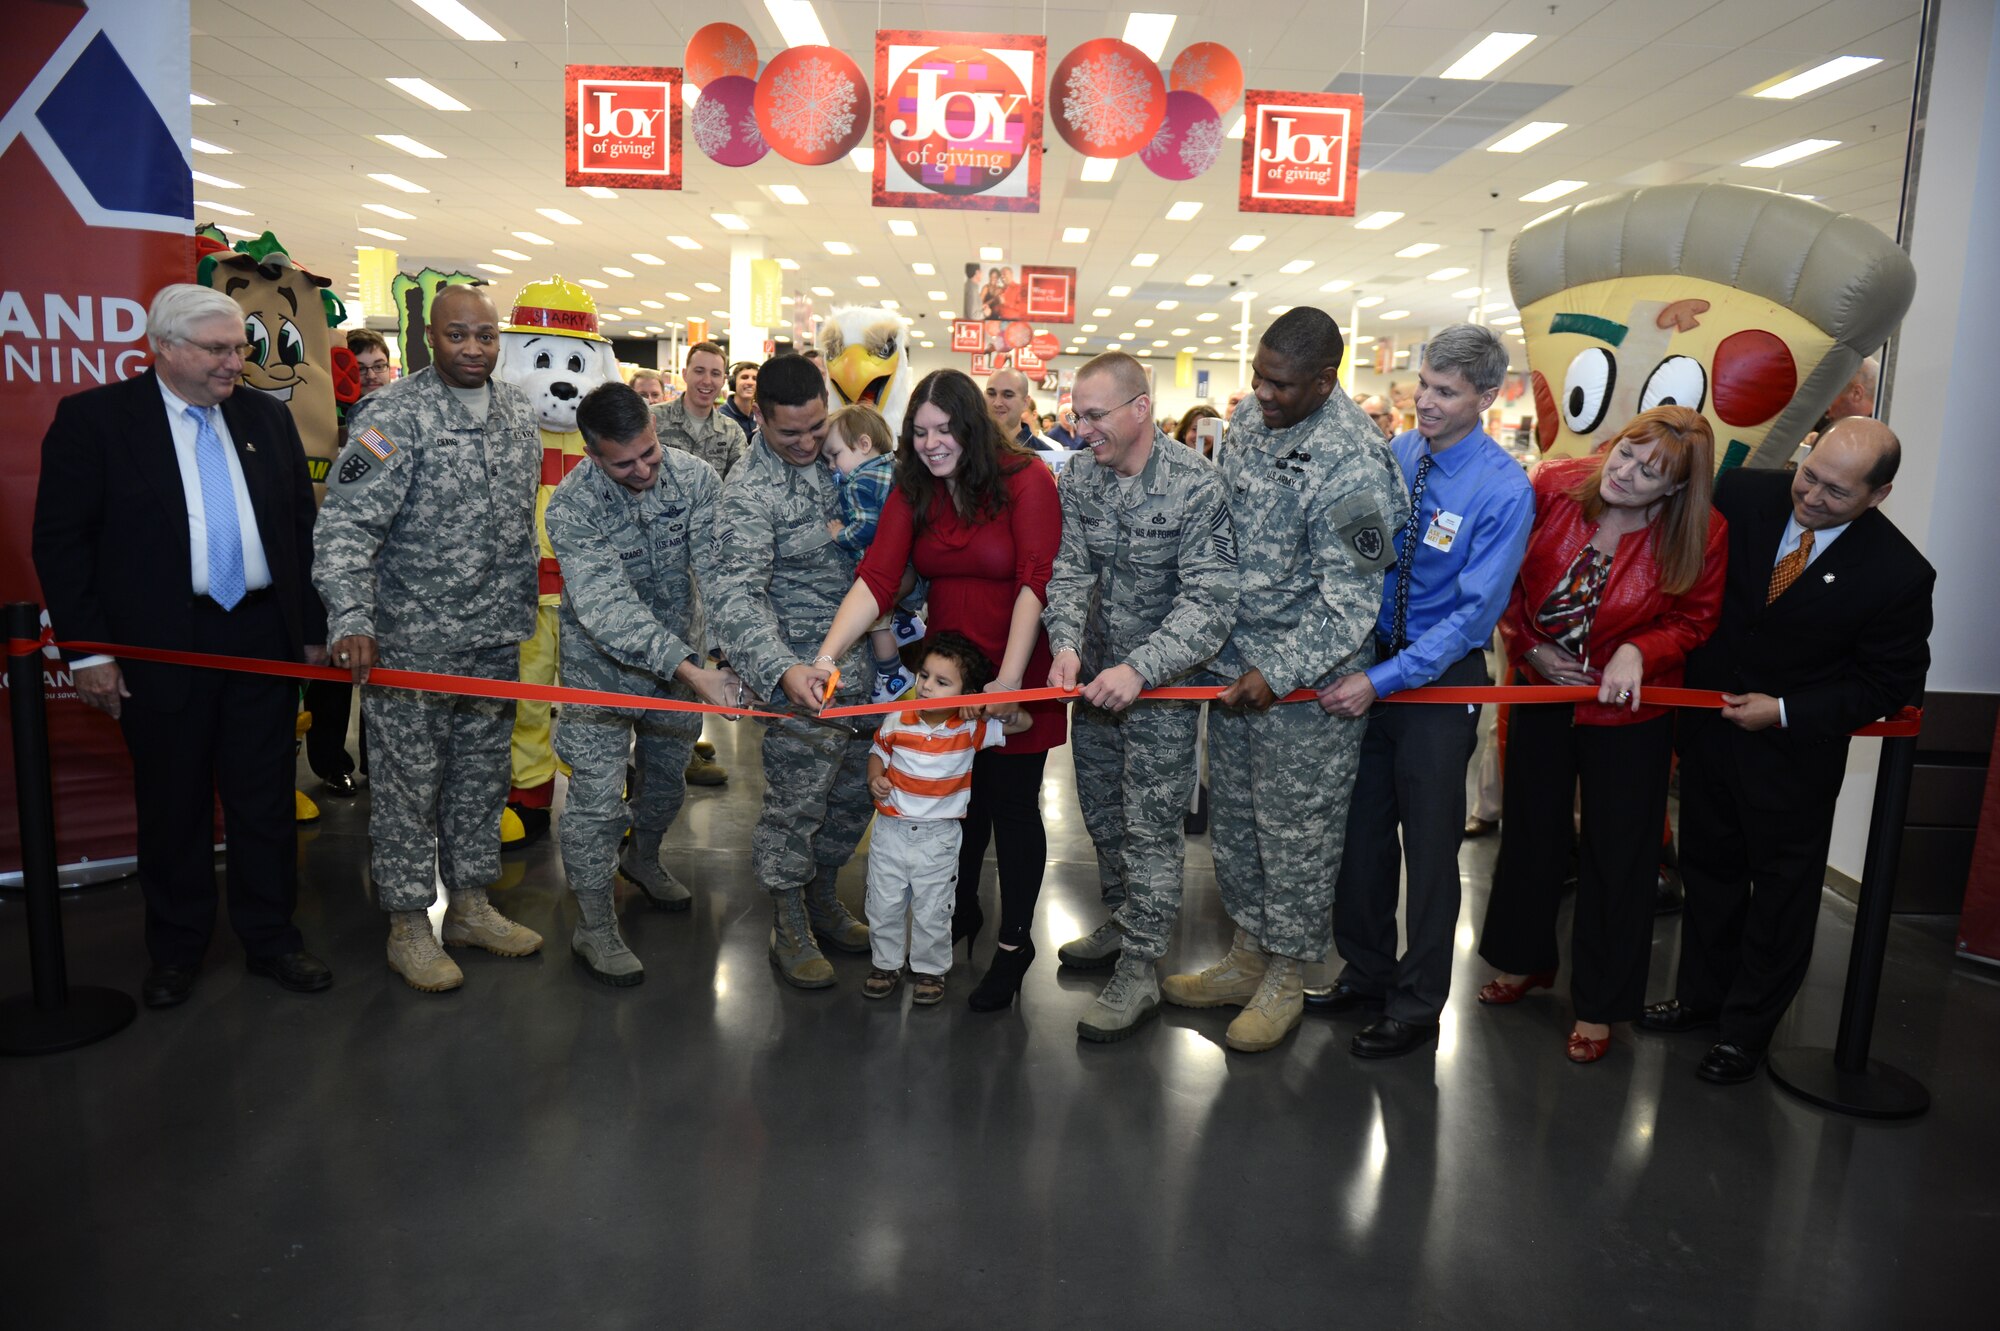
(175, 512)
(1826, 620)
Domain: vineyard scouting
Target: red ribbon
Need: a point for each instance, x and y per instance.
(1906, 722)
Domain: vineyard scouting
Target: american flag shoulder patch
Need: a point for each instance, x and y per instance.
(376, 442)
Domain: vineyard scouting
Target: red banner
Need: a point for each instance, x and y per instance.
(1048, 295)
(1301, 152)
(94, 189)
(968, 335)
(622, 126)
(958, 120)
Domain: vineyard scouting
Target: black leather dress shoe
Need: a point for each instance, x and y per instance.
(1340, 996)
(1728, 1064)
(343, 785)
(168, 986)
(1670, 1018)
(301, 972)
(1669, 895)
(1389, 1038)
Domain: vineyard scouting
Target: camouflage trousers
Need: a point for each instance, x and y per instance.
(1278, 784)
(1135, 773)
(596, 743)
(816, 802)
(438, 778)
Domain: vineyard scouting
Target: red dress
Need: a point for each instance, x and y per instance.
(976, 572)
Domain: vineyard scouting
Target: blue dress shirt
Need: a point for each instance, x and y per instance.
(1456, 595)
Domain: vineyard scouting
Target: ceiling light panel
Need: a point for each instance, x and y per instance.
(396, 182)
(429, 94)
(1184, 211)
(1494, 50)
(1150, 33)
(409, 145)
(462, 21)
(559, 217)
(1376, 221)
(1812, 80)
(789, 194)
(1791, 152)
(902, 226)
(1556, 189)
(1527, 136)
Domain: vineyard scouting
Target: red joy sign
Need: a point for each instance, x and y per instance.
(1301, 153)
(622, 126)
(1045, 344)
(989, 362)
(968, 335)
(1026, 359)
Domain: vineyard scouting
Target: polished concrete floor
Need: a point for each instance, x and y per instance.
(713, 1149)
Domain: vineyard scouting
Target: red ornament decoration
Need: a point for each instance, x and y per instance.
(1107, 99)
(1189, 140)
(723, 124)
(1046, 345)
(719, 51)
(812, 105)
(1017, 335)
(1211, 71)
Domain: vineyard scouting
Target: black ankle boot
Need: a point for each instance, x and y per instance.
(966, 921)
(1003, 978)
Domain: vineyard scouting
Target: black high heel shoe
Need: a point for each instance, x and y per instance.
(967, 919)
(1003, 978)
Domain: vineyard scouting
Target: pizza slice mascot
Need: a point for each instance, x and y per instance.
(551, 350)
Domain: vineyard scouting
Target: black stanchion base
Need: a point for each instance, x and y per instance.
(1880, 1092)
(91, 1014)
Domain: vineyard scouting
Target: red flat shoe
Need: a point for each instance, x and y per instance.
(1583, 1049)
(1495, 994)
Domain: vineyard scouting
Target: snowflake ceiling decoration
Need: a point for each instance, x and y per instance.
(1109, 99)
(809, 104)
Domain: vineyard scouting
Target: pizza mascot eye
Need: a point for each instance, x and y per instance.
(1677, 381)
(259, 338)
(1587, 389)
(291, 345)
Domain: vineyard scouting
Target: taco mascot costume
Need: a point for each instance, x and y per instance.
(551, 350)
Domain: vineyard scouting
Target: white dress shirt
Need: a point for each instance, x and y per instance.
(256, 568)
(1823, 540)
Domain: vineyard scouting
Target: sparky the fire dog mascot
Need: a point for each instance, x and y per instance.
(551, 350)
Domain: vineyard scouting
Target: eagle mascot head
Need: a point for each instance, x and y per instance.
(867, 354)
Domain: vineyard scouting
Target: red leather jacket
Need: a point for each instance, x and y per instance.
(1632, 609)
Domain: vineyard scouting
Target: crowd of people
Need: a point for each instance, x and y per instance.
(743, 546)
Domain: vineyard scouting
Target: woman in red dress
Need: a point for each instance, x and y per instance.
(977, 515)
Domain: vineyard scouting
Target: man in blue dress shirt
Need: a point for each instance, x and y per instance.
(1470, 511)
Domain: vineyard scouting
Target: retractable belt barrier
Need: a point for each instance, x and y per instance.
(1906, 722)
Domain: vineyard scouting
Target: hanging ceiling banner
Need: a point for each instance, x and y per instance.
(1301, 152)
(622, 126)
(958, 120)
(767, 283)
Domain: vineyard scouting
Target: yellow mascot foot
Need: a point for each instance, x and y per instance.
(303, 809)
(511, 831)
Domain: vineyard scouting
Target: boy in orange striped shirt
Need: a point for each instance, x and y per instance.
(920, 773)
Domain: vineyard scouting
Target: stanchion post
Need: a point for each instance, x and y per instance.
(1845, 1079)
(53, 1017)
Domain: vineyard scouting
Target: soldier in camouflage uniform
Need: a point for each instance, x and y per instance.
(1316, 498)
(635, 533)
(782, 578)
(695, 422)
(1143, 592)
(425, 556)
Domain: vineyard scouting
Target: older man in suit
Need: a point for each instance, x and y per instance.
(1826, 620)
(175, 512)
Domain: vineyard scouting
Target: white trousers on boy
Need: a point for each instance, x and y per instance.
(913, 871)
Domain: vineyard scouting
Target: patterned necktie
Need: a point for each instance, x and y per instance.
(218, 502)
(1409, 552)
(1786, 571)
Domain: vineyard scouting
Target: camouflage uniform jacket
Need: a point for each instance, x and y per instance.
(632, 565)
(1145, 578)
(426, 541)
(1315, 507)
(782, 576)
(718, 441)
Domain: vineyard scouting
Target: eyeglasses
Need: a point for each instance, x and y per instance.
(223, 350)
(1095, 419)
(370, 371)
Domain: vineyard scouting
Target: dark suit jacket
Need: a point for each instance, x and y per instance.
(1847, 644)
(111, 522)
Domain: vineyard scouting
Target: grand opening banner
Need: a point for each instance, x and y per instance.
(958, 120)
(97, 204)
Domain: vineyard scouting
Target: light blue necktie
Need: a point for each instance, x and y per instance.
(218, 501)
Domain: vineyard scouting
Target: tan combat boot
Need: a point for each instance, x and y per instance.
(702, 769)
(793, 951)
(597, 942)
(1276, 1008)
(1099, 948)
(471, 921)
(831, 920)
(640, 862)
(415, 955)
(1231, 982)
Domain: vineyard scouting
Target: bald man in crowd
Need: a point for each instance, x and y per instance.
(1010, 402)
(1826, 621)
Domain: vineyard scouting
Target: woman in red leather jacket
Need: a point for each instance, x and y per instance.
(1622, 579)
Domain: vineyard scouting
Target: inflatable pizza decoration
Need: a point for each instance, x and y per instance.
(1751, 306)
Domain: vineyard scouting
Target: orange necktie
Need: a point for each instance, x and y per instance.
(1786, 571)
